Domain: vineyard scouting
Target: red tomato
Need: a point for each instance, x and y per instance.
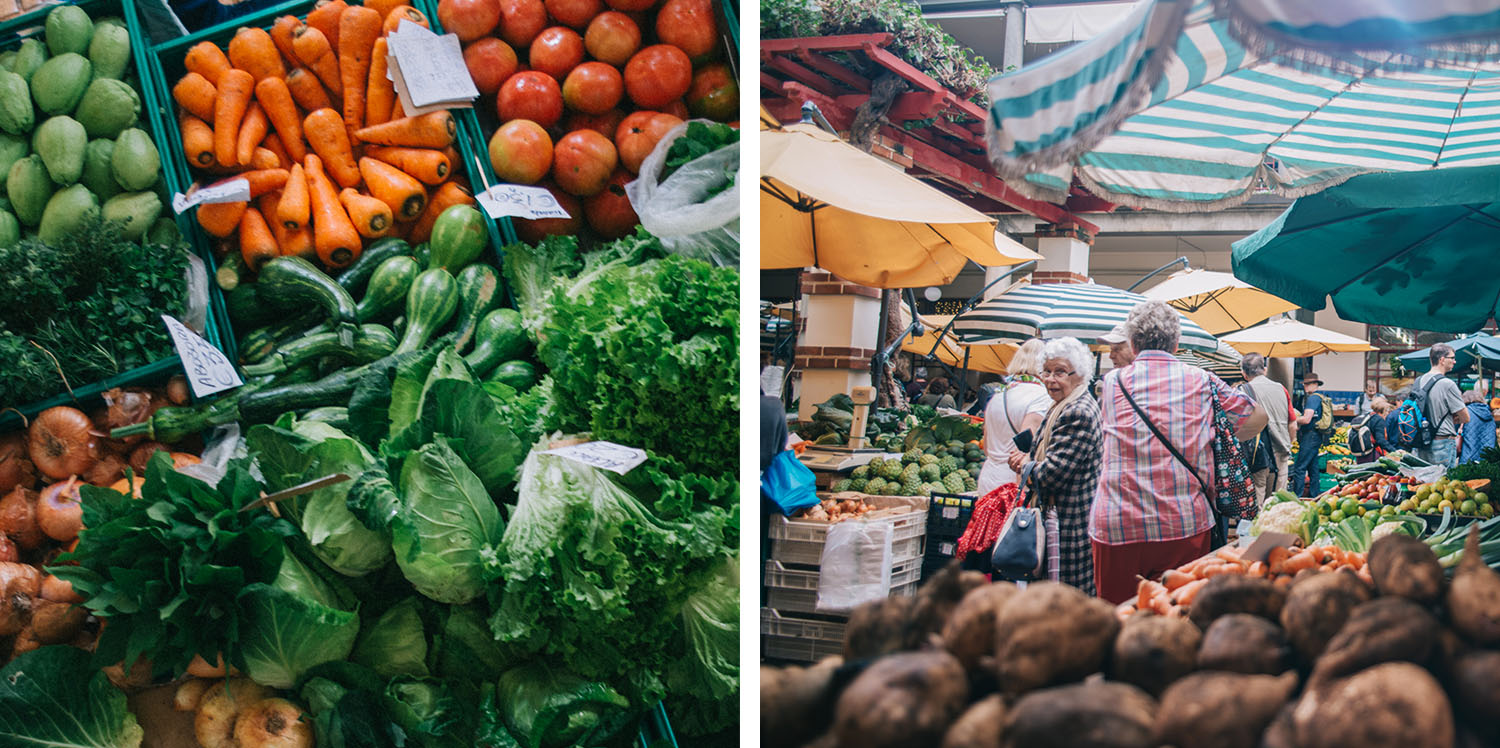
(689, 26)
(593, 88)
(631, 5)
(582, 162)
(612, 37)
(556, 51)
(658, 74)
(610, 213)
(530, 95)
(638, 134)
(533, 231)
(469, 19)
(714, 94)
(605, 124)
(521, 152)
(490, 62)
(521, 21)
(575, 13)
(677, 108)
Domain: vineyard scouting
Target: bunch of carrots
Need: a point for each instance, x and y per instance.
(1173, 595)
(306, 114)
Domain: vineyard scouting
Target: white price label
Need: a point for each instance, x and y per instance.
(521, 201)
(431, 67)
(208, 370)
(616, 458)
(229, 191)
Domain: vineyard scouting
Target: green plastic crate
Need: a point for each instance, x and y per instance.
(12, 32)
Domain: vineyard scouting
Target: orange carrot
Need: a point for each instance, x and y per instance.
(444, 197)
(334, 237)
(253, 51)
(197, 140)
(435, 130)
(313, 49)
(371, 217)
(397, 110)
(229, 110)
(281, 36)
(276, 99)
(257, 245)
(1189, 591)
(1228, 553)
(1257, 569)
(1145, 590)
(293, 211)
(306, 90)
(325, 18)
(268, 205)
(1276, 559)
(428, 165)
(1174, 579)
(396, 15)
(299, 243)
(264, 180)
(265, 158)
(383, 7)
(1304, 559)
(207, 60)
(380, 92)
(253, 129)
(359, 27)
(401, 191)
(272, 143)
(195, 94)
(220, 219)
(1214, 570)
(325, 133)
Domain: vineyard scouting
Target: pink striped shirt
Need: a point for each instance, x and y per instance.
(1145, 494)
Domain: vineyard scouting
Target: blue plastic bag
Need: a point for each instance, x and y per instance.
(789, 484)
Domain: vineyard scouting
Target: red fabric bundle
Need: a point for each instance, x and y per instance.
(987, 519)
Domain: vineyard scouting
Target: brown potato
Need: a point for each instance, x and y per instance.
(877, 628)
(1221, 710)
(904, 699)
(935, 603)
(796, 703)
(1051, 633)
(1393, 705)
(1096, 714)
(1403, 566)
(1232, 593)
(1153, 651)
(1283, 731)
(1476, 692)
(979, 726)
(1383, 630)
(1474, 596)
(970, 631)
(1242, 643)
(1316, 608)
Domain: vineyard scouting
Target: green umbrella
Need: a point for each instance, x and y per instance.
(1484, 349)
(1411, 249)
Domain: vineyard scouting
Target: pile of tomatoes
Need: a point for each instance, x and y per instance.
(584, 89)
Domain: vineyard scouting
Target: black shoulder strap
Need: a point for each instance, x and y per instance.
(1005, 406)
(1207, 490)
(1426, 406)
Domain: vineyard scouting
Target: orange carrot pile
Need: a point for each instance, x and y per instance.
(1174, 593)
(304, 111)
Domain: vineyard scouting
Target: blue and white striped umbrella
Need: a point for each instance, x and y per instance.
(1193, 104)
(1055, 310)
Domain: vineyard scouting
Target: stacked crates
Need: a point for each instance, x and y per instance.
(947, 517)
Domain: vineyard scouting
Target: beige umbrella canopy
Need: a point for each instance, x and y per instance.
(1286, 338)
(991, 358)
(1218, 302)
(828, 204)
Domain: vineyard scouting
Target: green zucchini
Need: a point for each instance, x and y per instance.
(387, 288)
(458, 236)
(518, 374)
(499, 337)
(335, 416)
(370, 342)
(479, 290)
(172, 424)
(267, 404)
(290, 282)
(354, 277)
(228, 274)
(246, 310)
(262, 342)
(303, 373)
(1414, 461)
(430, 303)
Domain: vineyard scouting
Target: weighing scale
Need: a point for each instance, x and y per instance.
(840, 459)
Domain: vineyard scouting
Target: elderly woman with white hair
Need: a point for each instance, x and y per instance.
(1067, 457)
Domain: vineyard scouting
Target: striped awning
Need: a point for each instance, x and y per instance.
(1055, 310)
(1186, 106)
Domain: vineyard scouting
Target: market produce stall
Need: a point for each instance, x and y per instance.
(447, 497)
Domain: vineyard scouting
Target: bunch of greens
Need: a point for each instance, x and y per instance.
(87, 308)
(701, 139)
(703, 681)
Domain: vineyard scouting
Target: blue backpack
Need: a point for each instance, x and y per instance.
(1413, 429)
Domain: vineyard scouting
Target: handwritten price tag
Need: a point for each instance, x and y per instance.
(521, 202)
(208, 371)
(232, 191)
(615, 458)
(431, 68)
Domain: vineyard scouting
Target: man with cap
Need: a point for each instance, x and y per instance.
(1304, 477)
(1120, 352)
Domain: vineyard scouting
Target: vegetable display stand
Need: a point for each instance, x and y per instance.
(947, 518)
(29, 25)
(805, 638)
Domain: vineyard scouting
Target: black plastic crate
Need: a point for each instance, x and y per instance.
(947, 517)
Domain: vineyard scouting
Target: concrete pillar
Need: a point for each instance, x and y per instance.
(1065, 254)
(840, 334)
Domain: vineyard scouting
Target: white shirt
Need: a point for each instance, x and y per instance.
(1009, 406)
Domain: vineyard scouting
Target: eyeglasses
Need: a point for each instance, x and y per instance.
(1057, 374)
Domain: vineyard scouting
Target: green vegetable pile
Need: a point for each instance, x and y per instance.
(700, 139)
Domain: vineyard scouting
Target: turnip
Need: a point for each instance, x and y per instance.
(1394, 705)
(1242, 643)
(1475, 686)
(979, 726)
(877, 628)
(1153, 651)
(1403, 566)
(1051, 633)
(1232, 593)
(1317, 607)
(905, 699)
(1474, 596)
(1096, 714)
(1221, 710)
(969, 633)
(1384, 630)
(797, 703)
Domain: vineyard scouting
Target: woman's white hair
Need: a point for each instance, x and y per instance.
(1154, 326)
(1072, 351)
(1028, 359)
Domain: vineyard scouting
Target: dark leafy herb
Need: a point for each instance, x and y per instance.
(1475, 470)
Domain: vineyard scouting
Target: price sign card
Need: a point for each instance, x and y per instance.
(228, 191)
(615, 458)
(428, 70)
(208, 370)
(521, 201)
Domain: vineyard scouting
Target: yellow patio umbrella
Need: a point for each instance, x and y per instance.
(1218, 302)
(828, 204)
(989, 358)
(1287, 338)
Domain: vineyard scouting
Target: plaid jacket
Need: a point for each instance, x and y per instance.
(1065, 480)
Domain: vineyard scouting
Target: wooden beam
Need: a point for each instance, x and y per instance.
(802, 75)
(839, 43)
(834, 70)
(920, 79)
(912, 106)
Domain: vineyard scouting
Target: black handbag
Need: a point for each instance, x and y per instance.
(1020, 553)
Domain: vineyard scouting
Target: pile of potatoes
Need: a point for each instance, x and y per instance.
(1410, 662)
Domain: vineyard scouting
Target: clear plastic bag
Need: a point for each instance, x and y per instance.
(855, 567)
(195, 301)
(679, 210)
